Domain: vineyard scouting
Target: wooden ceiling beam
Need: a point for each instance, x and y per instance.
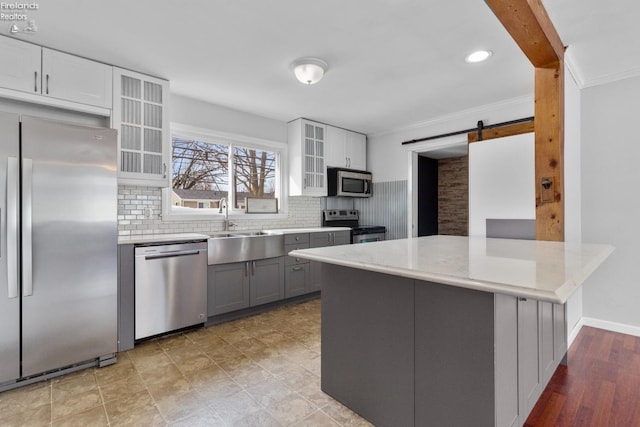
(529, 25)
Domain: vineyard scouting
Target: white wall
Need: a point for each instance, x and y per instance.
(387, 159)
(501, 181)
(611, 202)
(201, 114)
(572, 190)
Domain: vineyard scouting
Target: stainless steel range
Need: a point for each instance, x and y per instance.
(351, 218)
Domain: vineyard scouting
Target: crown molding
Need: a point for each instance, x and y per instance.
(573, 69)
(582, 82)
(611, 78)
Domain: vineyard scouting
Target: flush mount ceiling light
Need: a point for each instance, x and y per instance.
(309, 70)
(478, 56)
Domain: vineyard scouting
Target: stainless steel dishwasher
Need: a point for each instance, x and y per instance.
(170, 287)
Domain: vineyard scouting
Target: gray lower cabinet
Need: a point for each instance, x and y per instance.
(295, 280)
(529, 376)
(321, 239)
(329, 238)
(314, 276)
(453, 356)
(126, 297)
(267, 281)
(239, 285)
(227, 287)
(296, 276)
(531, 342)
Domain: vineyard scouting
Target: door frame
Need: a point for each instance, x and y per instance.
(413, 151)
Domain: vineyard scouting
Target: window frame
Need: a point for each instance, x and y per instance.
(230, 139)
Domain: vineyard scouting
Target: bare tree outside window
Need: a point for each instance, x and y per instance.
(254, 174)
(203, 169)
(200, 165)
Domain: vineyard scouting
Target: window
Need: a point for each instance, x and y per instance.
(208, 168)
(254, 174)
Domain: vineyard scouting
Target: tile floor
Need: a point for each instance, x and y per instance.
(259, 371)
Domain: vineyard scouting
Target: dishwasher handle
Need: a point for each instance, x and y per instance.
(172, 254)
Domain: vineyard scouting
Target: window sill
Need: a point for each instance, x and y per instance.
(172, 213)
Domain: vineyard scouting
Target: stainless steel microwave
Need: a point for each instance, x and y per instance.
(348, 182)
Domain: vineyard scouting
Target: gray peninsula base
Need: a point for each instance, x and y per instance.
(404, 352)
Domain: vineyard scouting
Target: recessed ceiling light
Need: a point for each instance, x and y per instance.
(478, 56)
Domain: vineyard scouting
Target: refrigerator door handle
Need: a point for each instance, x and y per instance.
(27, 188)
(12, 226)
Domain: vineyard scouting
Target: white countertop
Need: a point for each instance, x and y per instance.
(159, 238)
(548, 271)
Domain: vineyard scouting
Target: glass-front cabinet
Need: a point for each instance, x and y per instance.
(307, 170)
(140, 113)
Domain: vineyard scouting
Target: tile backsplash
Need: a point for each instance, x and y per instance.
(140, 213)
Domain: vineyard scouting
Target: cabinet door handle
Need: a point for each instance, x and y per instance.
(35, 81)
(521, 299)
(253, 269)
(297, 269)
(164, 170)
(246, 268)
(47, 78)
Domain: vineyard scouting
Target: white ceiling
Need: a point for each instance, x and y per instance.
(602, 38)
(392, 63)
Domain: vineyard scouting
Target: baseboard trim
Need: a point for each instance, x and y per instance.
(575, 331)
(609, 326)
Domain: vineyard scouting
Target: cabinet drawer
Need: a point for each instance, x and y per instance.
(289, 260)
(291, 239)
(329, 238)
(319, 240)
(296, 278)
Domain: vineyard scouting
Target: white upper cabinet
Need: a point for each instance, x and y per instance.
(307, 169)
(76, 79)
(336, 147)
(21, 65)
(140, 113)
(356, 150)
(346, 149)
(40, 71)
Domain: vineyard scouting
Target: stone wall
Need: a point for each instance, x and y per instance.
(453, 196)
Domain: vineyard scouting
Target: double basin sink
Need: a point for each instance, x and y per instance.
(238, 246)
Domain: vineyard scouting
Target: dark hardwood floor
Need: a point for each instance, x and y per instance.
(599, 387)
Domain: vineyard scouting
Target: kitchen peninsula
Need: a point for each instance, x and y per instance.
(446, 330)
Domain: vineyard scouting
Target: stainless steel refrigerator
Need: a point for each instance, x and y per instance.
(58, 246)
